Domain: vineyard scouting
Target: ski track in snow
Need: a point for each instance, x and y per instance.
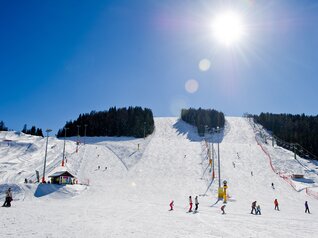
(131, 197)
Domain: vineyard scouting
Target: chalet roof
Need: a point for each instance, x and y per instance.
(61, 173)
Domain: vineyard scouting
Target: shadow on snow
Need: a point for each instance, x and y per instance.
(46, 189)
(191, 132)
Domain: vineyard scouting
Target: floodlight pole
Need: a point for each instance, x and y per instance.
(77, 143)
(85, 133)
(65, 129)
(47, 140)
(219, 166)
(144, 130)
(212, 150)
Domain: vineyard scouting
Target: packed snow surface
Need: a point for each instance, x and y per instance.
(125, 185)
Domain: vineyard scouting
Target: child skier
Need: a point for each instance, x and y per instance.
(222, 209)
(258, 210)
(190, 203)
(276, 204)
(196, 202)
(171, 205)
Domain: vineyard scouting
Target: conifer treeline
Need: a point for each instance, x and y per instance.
(133, 121)
(3, 126)
(203, 117)
(299, 129)
(33, 131)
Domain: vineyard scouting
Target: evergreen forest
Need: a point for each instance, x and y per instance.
(132, 121)
(33, 131)
(3, 126)
(295, 129)
(202, 118)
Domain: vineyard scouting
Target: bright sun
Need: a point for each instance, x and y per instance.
(228, 28)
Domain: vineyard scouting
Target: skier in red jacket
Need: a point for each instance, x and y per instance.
(171, 205)
(276, 204)
(190, 202)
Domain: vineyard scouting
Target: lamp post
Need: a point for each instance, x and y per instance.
(212, 151)
(219, 167)
(65, 129)
(85, 133)
(205, 130)
(220, 190)
(78, 127)
(144, 130)
(47, 140)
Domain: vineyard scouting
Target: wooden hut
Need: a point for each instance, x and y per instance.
(62, 177)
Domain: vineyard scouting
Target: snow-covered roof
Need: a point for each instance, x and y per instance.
(61, 173)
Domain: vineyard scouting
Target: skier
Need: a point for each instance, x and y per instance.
(276, 204)
(233, 164)
(171, 205)
(8, 200)
(307, 208)
(222, 209)
(273, 186)
(190, 202)
(253, 207)
(196, 202)
(258, 210)
(251, 173)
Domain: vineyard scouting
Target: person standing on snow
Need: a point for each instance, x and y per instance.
(253, 207)
(276, 204)
(222, 209)
(307, 208)
(196, 202)
(258, 210)
(190, 203)
(7, 202)
(171, 205)
(273, 186)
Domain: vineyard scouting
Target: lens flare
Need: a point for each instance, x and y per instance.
(204, 64)
(191, 86)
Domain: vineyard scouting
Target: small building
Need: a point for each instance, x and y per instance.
(62, 177)
(297, 176)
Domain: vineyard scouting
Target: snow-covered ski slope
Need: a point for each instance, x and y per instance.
(131, 197)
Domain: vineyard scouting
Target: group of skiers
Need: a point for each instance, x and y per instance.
(8, 199)
(196, 203)
(257, 208)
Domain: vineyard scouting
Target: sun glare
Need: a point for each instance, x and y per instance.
(228, 28)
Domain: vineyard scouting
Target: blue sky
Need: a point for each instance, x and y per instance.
(62, 58)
